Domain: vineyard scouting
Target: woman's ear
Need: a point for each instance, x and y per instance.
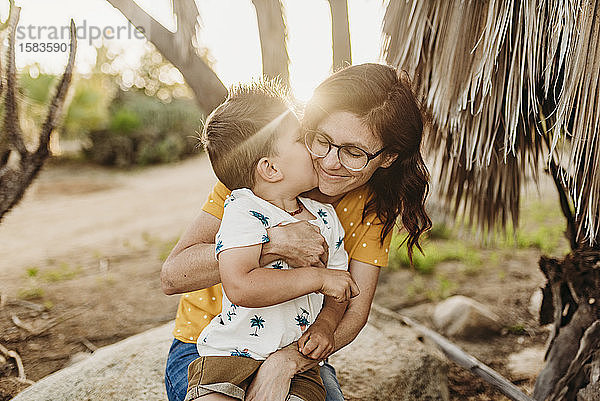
(268, 171)
(388, 159)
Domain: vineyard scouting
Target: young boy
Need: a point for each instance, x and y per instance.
(255, 147)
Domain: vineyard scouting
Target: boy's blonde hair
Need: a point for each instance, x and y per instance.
(243, 129)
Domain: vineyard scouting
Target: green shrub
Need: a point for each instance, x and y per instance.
(124, 122)
(143, 130)
(434, 253)
(88, 108)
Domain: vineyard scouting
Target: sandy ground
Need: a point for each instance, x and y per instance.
(79, 209)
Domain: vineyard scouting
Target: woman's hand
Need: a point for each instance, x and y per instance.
(299, 244)
(273, 379)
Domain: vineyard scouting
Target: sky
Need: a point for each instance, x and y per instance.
(228, 29)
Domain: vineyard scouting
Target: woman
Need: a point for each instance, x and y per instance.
(363, 129)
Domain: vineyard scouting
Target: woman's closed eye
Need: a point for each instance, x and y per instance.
(353, 151)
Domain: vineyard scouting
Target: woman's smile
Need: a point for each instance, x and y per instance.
(327, 175)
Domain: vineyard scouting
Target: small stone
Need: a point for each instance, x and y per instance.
(526, 364)
(535, 302)
(464, 317)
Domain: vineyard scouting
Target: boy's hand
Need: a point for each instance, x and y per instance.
(317, 341)
(338, 284)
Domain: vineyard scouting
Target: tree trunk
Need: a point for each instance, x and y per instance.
(179, 49)
(571, 301)
(271, 28)
(340, 33)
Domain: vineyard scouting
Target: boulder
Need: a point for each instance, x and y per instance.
(461, 316)
(387, 361)
(131, 369)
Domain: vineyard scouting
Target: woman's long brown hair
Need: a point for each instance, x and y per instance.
(382, 98)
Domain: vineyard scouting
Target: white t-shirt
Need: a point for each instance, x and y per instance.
(258, 332)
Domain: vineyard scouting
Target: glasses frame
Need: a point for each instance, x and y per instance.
(370, 156)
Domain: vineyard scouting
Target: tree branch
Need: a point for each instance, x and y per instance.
(12, 126)
(208, 89)
(154, 31)
(58, 100)
(187, 14)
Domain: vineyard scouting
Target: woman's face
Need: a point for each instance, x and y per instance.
(344, 128)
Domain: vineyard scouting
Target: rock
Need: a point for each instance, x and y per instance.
(526, 364)
(388, 361)
(131, 369)
(535, 303)
(464, 317)
(589, 393)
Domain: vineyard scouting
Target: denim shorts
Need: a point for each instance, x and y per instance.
(182, 354)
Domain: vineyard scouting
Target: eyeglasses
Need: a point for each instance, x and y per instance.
(350, 156)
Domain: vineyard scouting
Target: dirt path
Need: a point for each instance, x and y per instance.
(87, 210)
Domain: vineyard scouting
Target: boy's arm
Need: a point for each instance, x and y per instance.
(249, 285)
(192, 266)
(318, 341)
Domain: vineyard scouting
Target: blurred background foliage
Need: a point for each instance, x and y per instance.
(115, 116)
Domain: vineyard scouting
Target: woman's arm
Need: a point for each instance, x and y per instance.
(192, 266)
(279, 368)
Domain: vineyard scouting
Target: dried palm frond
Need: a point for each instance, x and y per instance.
(489, 71)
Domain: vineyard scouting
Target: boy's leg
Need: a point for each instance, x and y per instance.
(330, 381)
(176, 373)
(214, 397)
(307, 386)
(227, 375)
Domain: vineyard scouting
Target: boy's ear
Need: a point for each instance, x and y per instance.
(388, 160)
(268, 171)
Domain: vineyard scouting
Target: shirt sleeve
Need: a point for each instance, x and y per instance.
(216, 199)
(338, 257)
(242, 225)
(369, 248)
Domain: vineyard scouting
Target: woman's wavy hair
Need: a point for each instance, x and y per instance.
(382, 98)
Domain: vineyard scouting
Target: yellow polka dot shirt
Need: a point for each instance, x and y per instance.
(197, 308)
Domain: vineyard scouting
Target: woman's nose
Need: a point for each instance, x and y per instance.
(331, 160)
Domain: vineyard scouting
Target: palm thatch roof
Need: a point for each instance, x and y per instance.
(509, 84)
